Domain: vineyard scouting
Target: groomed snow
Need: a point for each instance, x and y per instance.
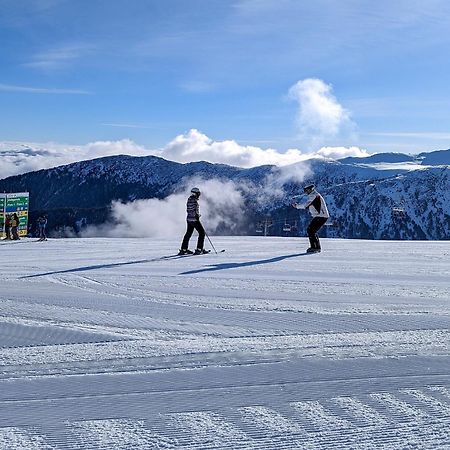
(109, 344)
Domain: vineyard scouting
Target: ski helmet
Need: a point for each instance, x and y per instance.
(308, 188)
(195, 190)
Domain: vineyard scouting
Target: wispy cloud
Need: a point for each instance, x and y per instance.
(35, 90)
(397, 106)
(129, 125)
(60, 57)
(363, 16)
(25, 14)
(418, 135)
(321, 119)
(145, 126)
(199, 87)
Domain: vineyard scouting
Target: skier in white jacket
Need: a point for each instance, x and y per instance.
(318, 209)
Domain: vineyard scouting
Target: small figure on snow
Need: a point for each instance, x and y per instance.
(318, 209)
(42, 223)
(15, 222)
(193, 223)
(7, 227)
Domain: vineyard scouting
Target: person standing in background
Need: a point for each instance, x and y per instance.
(15, 227)
(42, 223)
(8, 226)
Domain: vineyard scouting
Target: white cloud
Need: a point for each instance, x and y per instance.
(20, 157)
(137, 219)
(35, 90)
(195, 146)
(342, 152)
(321, 120)
(129, 125)
(221, 203)
(198, 87)
(60, 57)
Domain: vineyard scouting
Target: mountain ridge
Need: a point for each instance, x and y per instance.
(361, 197)
(438, 157)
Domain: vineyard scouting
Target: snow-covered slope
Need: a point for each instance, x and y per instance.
(368, 209)
(107, 344)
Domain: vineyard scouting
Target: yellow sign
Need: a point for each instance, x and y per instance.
(18, 203)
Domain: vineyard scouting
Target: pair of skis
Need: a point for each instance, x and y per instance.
(205, 253)
(190, 254)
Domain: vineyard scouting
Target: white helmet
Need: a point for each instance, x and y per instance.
(195, 190)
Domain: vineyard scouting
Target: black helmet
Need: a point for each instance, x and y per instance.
(309, 188)
(195, 190)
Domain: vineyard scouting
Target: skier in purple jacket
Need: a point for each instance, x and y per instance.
(319, 212)
(193, 223)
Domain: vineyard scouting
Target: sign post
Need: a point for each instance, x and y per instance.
(2, 214)
(15, 203)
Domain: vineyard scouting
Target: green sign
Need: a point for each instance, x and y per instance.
(2, 213)
(15, 203)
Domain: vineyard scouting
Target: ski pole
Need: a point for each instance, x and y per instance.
(215, 251)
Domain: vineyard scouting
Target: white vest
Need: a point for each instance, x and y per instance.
(317, 206)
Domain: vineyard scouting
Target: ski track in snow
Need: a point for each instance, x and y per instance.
(106, 344)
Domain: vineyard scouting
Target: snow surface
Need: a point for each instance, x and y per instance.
(110, 344)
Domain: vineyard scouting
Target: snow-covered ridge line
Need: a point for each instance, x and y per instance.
(362, 196)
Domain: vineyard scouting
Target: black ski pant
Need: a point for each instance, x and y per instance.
(191, 226)
(315, 225)
(15, 233)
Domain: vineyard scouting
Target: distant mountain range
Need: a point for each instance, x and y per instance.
(384, 196)
(439, 157)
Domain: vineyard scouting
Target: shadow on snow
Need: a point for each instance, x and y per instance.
(82, 269)
(224, 266)
(211, 268)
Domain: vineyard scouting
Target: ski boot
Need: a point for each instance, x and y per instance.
(185, 251)
(201, 251)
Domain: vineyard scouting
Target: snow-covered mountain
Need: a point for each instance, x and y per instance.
(385, 196)
(439, 157)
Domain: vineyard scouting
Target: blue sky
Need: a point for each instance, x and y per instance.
(263, 73)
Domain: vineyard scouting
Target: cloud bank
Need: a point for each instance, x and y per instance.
(195, 146)
(221, 204)
(17, 158)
